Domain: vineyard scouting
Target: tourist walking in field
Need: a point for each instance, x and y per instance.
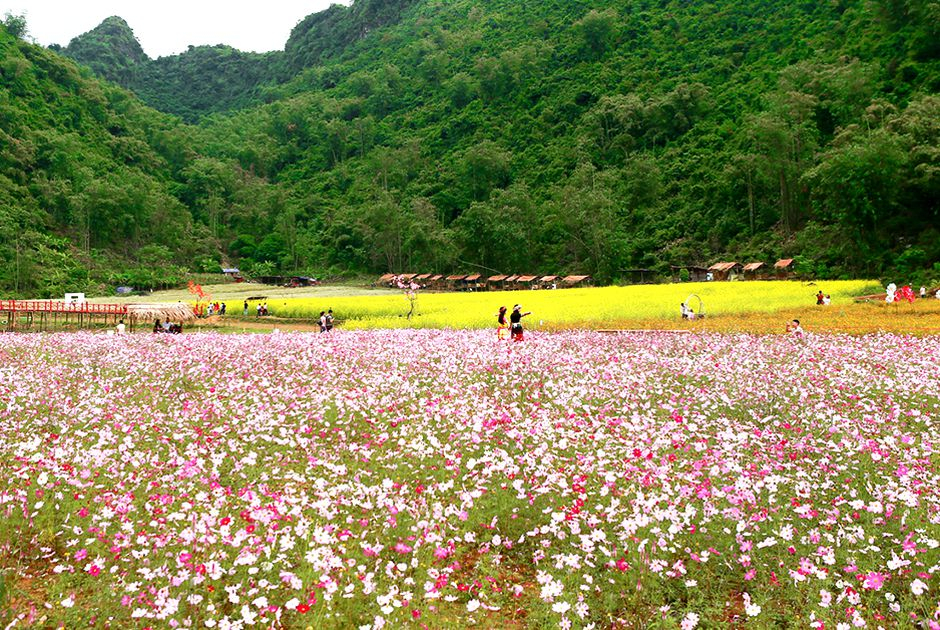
(820, 298)
(322, 321)
(245, 309)
(329, 320)
(502, 325)
(515, 322)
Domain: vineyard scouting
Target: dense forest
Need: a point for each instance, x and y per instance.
(507, 135)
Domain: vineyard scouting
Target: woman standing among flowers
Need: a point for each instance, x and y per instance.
(502, 326)
(515, 322)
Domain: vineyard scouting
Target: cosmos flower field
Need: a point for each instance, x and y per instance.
(444, 479)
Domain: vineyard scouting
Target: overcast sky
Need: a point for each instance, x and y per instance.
(166, 27)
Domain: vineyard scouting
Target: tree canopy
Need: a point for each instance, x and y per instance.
(421, 135)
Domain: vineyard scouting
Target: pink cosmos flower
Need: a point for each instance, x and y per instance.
(402, 548)
(874, 580)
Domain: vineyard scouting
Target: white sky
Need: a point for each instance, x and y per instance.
(166, 27)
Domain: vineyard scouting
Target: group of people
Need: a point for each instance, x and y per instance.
(166, 327)
(209, 309)
(688, 312)
(823, 300)
(326, 321)
(513, 327)
(261, 310)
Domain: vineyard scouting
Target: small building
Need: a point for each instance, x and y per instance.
(577, 281)
(453, 282)
(233, 273)
(548, 282)
(496, 283)
(783, 268)
(302, 281)
(696, 273)
(527, 282)
(725, 270)
(422, 279)
(755, 271)
(385, 280)
(435, 282)
(638, 276)
(473, 282)
(510, 282)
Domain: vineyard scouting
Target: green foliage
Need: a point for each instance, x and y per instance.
(202, 80)
(208, 79)
(16, 25)
(84, 187)
(419, 135)
(597, 30)
(110, 50)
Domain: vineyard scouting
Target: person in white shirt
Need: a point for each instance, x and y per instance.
(120, 327)
(795, 329)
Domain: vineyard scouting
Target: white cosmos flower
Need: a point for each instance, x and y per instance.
(561, 607)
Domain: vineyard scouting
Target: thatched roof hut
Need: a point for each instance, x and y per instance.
(147, 313)
(725, 270)
(572, 281)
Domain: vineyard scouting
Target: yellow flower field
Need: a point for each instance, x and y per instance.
(566, 308)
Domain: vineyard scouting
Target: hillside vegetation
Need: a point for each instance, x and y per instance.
(515, 136)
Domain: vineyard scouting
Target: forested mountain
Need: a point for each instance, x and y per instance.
(208, 79)
(85, 178)
(198, 82)
(511, 135)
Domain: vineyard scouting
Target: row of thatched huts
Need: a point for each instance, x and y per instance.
(479, 282)
(781, 270)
